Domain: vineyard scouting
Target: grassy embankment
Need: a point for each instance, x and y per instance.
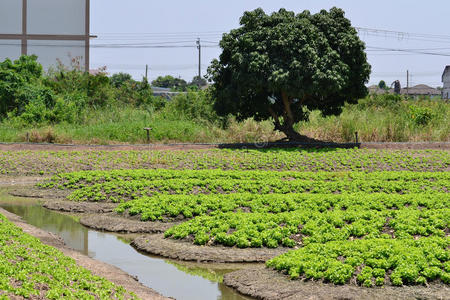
(374, 122)
(68, 106)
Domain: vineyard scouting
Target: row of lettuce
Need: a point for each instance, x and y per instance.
(375, 227)
(329, 160)
(31, 269)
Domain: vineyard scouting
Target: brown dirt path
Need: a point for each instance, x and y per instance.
(98, 268)
(192, 146)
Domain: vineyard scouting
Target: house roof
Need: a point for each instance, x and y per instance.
(420, 89)
(446, 72)
(375, 89)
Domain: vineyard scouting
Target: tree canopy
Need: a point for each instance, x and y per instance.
(171, 82)
(119, 79)
(282, 65)
(382, 84)
(16, 78)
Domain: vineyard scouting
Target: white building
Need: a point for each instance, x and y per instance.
(446, 83)
(51, 29)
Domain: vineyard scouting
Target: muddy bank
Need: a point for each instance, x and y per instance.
(158, 245)
(268, 284)
(79, 207)
(6, 181)
(118, 224)
(98, 268)
(31, 191)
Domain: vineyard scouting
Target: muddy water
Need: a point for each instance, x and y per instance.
(175, 279)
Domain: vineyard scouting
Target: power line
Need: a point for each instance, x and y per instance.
(371, 48)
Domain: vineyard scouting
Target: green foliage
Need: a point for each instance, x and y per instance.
(175, 84)
(29, 268)
(119, 79)
(407, 261)
(380, 100)
(300, 160)
(97, 87)
(198, 82)
(192, 105)
(420, 115)
(64, 95)
(275, 66)
(382, 84)
(364, 227)
(16, 83)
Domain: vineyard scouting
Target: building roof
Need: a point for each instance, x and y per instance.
(446, 72)
(375, 89)
(420, 89)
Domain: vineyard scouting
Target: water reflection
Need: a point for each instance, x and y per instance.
(180, 280)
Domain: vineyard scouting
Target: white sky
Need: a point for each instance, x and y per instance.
(171, 21)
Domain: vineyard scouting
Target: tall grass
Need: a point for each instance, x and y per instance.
(392, 123)
(124, 124)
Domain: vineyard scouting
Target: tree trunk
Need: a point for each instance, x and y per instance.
(294, 136)
(288, 123)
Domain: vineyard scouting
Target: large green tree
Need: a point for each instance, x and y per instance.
(283, 65)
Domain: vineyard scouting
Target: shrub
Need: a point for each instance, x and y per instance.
(119, 79)
(420, 115)
(14, 77)
(195, 106)
(384, 100)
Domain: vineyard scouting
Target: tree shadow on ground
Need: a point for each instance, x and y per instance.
(310, 146)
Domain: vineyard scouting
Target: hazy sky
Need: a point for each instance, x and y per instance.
(124, 26)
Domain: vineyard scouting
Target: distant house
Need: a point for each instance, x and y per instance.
(446, 83)
(421, 90)
(375, 89)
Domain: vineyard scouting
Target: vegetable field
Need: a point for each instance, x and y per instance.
(32, 270)
(347, 226)
(328, 160)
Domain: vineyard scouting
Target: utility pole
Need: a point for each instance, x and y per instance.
(146, 73)
(199, 47)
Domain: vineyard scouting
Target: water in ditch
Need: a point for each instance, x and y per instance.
(180, 280)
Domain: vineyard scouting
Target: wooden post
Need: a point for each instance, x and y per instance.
(148, 134)
(356, 137)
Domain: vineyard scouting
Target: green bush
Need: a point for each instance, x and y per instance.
(420, 115)
(383, 100)
(14, 78)
(196, 106)
(119, 79)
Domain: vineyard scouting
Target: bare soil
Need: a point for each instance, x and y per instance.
(192, 146)
(19, 180)
(98, 268)
(79, 207)
(31, 191)
(267, 284)
(115, 223)
(175, 249)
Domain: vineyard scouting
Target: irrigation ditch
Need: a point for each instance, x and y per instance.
(110, 255)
